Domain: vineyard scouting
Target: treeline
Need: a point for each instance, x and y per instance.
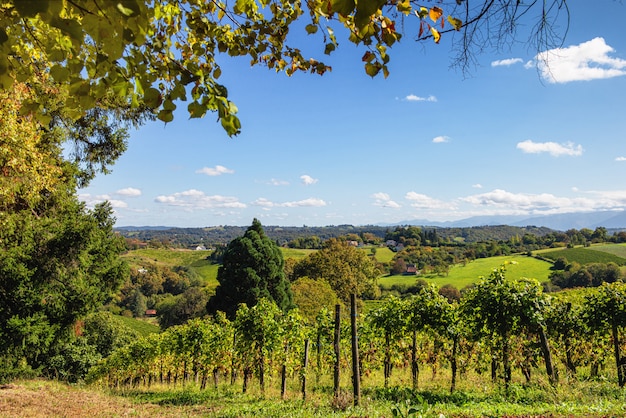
(311, 237)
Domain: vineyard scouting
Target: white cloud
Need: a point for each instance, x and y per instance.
(477, 186)
(310, 202)
(414, 98)
(276, 182)
(218, 170)
(421, 201)
(307, 180)
(500, 197)
(506, 62)
(314, 202)
(552, 148)
(503, 202)
(620, 159)
(129, 192)
(194, 199)
(383, 200)
(440, 139)
(587, 61)
(118, 204)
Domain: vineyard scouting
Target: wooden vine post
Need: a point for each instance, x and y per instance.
(356, 375)
(336, 347)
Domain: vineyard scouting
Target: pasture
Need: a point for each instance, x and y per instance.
(196, 260)
(461, 275)
(601, 253)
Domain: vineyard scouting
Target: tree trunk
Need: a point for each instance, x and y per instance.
(415, 371)
(387, 366)
(262, 372)
(455, 347)
(246, 376)
(318, 351)
(618, 355)
(547, 355)
(571, 367)
(337, 349)
(283, 375)
(356, 374)
(506, 361)
(305, 362)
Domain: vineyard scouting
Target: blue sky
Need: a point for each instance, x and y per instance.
(428, 142)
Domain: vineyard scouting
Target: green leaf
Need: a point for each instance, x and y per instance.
(29, 8)
(59, 73)
(70, 27)
(128, 7)
(231, 124)
(152, 98)
(372, 69)
(166, 115)
(3, 36)
(196, 110)
(311, 29)
(343, 7)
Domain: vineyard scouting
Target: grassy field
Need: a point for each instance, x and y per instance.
(295, 253)
(172, 258)
(142, 326)
(462, 275)
(475, 397)
(606, 253)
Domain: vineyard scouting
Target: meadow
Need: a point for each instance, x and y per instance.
(461, 275)
(602, 253)
(196, 260)
(475, 397)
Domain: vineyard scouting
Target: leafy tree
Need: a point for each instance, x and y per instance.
(252, 269)
(390, 318)
(606, 309)
(425, 310)
(107, 333)
(176, 310)
(54, 269)
(566, 323)
(347, 269)
(311, 296)
(166, 51)
(258, 331)
(497, 308)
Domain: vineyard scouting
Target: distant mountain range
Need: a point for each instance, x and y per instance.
(614, 220)
(560, 222)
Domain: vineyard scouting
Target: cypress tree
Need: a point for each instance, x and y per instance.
(252, 268)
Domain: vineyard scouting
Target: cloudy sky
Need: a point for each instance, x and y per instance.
(522, 133)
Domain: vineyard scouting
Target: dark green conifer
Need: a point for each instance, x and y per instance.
(252, 268)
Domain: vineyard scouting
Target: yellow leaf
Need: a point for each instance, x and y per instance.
(456, 23)
(436, 35)
(435, 13)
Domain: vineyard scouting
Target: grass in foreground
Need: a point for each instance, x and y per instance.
(476, 397)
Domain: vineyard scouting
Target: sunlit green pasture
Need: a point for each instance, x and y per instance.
(196, 260)
(295, 253)
(605, 253)
(143, 326)
(460, 276)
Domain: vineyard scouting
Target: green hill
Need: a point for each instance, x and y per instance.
(603, 253)
(460, 275)
(196, 260)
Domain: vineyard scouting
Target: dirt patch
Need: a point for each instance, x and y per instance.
(49, 399)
